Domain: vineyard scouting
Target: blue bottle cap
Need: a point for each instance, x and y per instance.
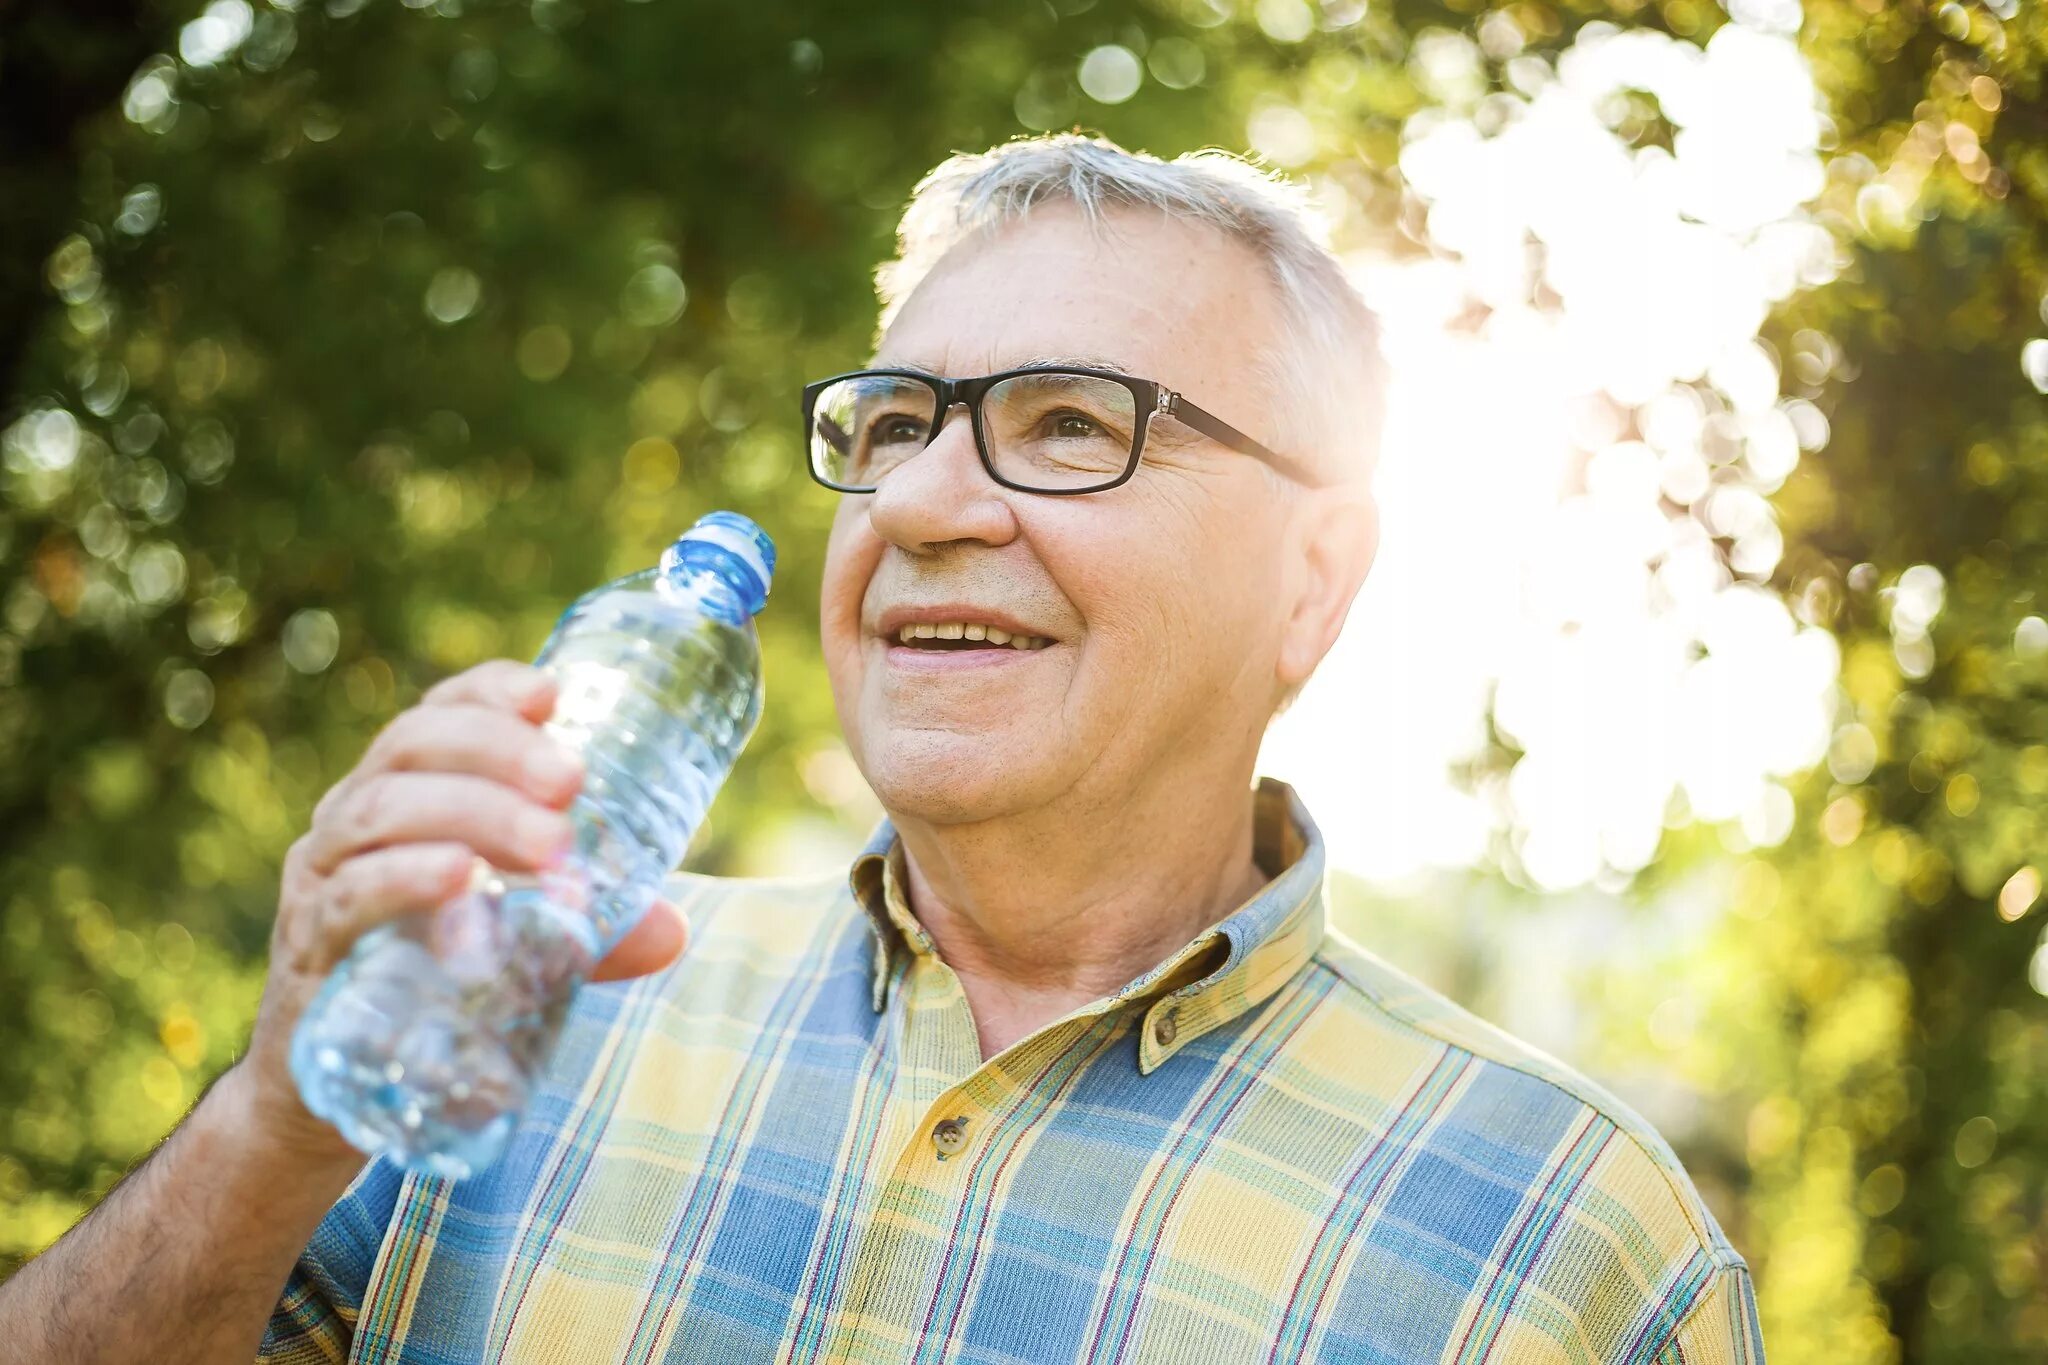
(745, 546)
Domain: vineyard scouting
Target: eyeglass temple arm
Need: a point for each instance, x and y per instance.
(1215, 428)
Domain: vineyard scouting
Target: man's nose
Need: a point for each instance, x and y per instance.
(942, 494)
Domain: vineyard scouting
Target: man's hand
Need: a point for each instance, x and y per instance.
(184, 1261)
(466, 773)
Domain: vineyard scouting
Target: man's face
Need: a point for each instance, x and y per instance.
(1159, 603)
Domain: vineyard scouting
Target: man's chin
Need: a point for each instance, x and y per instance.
(949, 779)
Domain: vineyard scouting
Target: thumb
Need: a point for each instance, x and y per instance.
(652, 944)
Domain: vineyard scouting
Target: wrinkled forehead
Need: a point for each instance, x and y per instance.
(1136, 292)
(883, 360)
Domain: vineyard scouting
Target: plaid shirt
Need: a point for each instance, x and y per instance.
(1273, 1147)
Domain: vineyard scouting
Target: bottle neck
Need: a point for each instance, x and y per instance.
(709, 578)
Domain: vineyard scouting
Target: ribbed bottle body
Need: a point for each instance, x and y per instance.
(425, 1041)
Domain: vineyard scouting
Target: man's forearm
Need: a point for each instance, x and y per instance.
(185, 1259)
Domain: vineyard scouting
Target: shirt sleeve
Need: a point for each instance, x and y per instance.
(1722, 1327)
(315, 1318)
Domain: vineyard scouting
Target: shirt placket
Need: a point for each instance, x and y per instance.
(949, 1105)
(942, 1053)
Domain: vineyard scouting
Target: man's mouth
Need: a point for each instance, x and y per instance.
(964, 635)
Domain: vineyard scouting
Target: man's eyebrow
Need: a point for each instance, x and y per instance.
(1077, 362)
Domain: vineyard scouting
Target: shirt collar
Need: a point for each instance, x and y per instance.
(1227, 969)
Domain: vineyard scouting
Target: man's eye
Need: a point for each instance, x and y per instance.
(891, 430)
(1073, 426)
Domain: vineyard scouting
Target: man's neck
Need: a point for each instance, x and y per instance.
(1041, 913)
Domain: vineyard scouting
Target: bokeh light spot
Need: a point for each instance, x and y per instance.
(651, 466)
(1282, 134)
(2034, 363)
(1882, 1190)
(1842, 821)
(653, 297)
(311, 640)
(156, 573)
(1176, 63)
(216, 33)
(544, 352)
(1975, 1142)
(453, 294)
(151, 98)
(1286, 21)
(2019, 894)
(188, 698)
(1111, 74)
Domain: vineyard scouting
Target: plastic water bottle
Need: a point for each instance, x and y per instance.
(424, 1041)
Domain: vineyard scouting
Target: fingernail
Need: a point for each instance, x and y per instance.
(552, 767)
(545, 837)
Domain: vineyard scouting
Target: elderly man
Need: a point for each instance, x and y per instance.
(1069, 1067)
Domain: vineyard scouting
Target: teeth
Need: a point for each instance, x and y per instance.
(964, 630)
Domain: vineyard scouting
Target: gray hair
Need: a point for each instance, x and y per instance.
(1327, 368)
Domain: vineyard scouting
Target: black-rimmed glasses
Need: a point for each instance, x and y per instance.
(1045, 429)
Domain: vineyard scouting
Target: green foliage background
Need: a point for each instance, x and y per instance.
(382, 339)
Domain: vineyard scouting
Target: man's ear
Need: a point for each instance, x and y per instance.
(1338, 533)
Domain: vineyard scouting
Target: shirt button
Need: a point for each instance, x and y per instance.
(949, 1136)
(1166, 1027)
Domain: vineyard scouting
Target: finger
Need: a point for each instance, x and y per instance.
(505, 684)
(511, 830)
(657, 940)
(481, 741)
(545, 778)
(371, 888)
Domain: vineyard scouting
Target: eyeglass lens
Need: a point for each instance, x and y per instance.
(1051, 430)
